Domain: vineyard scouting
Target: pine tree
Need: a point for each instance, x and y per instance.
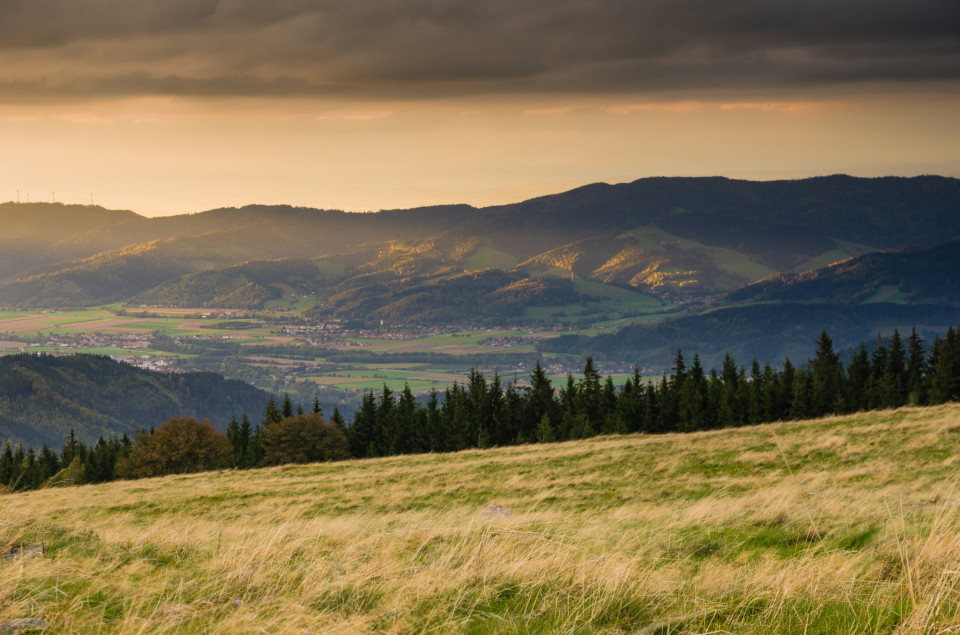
(271, 413)
(436, 434)
(693, 414)
(541, 400)
(730, 413)
(386, 422)
(590, 396)
(233, 435)
(916, 370)
(362, 434)
(245, 435)
(826, 378)
(893, 379)
(858, 381)
(545, 432)
(495, 414)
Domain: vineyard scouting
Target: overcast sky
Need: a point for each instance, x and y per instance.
(180, 105)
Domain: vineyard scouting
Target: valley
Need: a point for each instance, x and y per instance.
(280, 352)
(319, 301)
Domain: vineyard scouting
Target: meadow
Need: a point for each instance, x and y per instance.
(840, 525)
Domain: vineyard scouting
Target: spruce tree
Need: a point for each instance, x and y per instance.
(916, 370)
(545, 432)
(826, 378)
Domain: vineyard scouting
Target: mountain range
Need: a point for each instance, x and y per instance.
(650, 246)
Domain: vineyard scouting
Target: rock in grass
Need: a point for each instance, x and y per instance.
(498, 510)
(22, 624)
(24, 551)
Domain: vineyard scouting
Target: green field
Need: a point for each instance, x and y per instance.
(841, 525)
(485, 257)
(889, 293)
(372, 378)
(280, 373)
(844, 250)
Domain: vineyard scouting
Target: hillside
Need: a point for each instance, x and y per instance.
(837, 525)
(769, 332)
(243, 286)
(670, 237)
(915, 276)
(43, 397)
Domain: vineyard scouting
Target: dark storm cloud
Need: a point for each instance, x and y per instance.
(425, 48)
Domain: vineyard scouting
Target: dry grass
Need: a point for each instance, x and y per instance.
(838, 525)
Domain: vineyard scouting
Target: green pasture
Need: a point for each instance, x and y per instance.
(888, 293)
(844, 249)
(617, 298)
(330, 269)
(376, 385)
(486, 257)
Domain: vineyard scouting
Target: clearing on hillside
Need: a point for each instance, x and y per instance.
(840, 525)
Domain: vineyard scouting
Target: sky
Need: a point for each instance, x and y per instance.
(172, 106)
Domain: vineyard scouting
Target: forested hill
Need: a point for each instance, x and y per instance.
(42, 397)
(768, 332)
(915, 276)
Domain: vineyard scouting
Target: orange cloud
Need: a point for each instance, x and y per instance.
(692, 106)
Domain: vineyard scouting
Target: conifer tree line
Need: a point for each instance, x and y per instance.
(482, 413)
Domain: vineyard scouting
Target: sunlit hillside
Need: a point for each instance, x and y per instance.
(841, 525)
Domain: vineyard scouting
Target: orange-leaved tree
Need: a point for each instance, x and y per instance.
(179, 446)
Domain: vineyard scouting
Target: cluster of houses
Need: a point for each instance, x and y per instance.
(131, 341)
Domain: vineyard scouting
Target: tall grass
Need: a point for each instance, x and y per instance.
(841, 525)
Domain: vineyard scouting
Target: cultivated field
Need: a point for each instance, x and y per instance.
(842, 525)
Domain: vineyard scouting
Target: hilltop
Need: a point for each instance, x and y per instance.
(845, 524)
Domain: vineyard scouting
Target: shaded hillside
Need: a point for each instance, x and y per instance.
(769, 332)
(490, 294)
(40, 237)
(107, 277)
(885, 212)
(43, 397)
(911, 276)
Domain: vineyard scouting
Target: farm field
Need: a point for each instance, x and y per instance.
(102, 321)
(280, 363)
(373, 378)
(460, 343)
(841, 525)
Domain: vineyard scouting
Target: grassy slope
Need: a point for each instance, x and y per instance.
(839, 525)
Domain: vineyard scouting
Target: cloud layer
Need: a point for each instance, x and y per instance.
(384, 49)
